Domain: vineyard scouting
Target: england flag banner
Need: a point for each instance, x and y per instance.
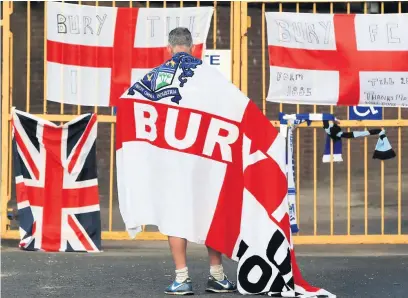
(198, 159)
(94, 53)
(338, 59)
(56, 183)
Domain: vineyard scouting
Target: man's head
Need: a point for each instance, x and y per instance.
(180, 40)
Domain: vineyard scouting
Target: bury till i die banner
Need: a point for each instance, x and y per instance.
(95, 53)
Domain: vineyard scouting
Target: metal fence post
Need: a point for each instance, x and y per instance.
(5, 110)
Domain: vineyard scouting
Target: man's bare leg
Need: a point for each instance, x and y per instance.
(216, 269)
(178, 247)
(182, 284)
(214, 256)
(218, 282)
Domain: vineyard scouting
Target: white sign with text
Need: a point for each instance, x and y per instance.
(221, 60)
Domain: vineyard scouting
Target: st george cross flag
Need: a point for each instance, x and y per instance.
(94, 53)
(56, 183)
(198, 159)
(338, 59)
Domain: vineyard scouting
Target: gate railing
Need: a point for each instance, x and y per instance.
(242, 28)
(398, 231)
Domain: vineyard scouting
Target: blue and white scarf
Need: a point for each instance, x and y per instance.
(288, 122)
(383, 149)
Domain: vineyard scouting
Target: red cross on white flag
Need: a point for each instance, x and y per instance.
(95, 53)
(334, 59)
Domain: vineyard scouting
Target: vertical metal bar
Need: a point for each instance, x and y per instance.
(365, 172)
(399, 157)
(314, 166)
(298, 173)
(62, 79)
(1, 114)
(280, 10)
(298, 156)
(5, 110)
(111, 176)
(331, 169)
(214, 25)
(45, 59)
(232, 39)
(112, 132)
(365, 187)
(263, 60)
(232, 44)
(236, 38)
(244, 47)
(28, 55)
(382, 169)
(348, 167)
(97, 80)
(79, 79)
(10, 99)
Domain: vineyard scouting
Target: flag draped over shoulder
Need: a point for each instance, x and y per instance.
(198, 159)
(56, 183)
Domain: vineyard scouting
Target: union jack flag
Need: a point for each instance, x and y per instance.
(56, 183)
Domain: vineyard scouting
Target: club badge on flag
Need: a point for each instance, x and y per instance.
(338, 59)
(56, 183)
(95, 53)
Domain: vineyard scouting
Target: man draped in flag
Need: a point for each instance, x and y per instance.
(199, 160)
(181, 41)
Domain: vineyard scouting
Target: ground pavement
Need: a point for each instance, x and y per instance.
(142, 269)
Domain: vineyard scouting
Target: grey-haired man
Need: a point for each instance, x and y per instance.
(181, 42)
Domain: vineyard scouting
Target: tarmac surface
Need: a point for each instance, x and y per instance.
(144, 269)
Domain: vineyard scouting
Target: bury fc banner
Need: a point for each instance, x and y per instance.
(333, 59)
(94, 53)
(198, 159)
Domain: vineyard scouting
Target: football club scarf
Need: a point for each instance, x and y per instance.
(383, 149)
(288, 123)
(198, 159)
(337, 151)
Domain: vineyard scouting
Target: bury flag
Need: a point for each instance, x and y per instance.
(56, 183)
(338, 59)
(94, 53)
(199, 160)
